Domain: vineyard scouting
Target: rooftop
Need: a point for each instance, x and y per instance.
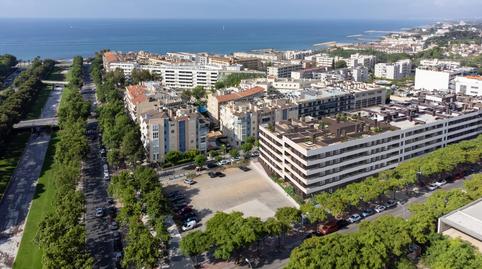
(467, 219)
(239, 95)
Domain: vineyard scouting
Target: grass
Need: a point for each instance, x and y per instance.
(39, 103)
(29, 254)
(9, 156)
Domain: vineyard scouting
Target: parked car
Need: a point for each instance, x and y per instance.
(440, 183)
(220, 174)
(244, 168)
(114, 226)
(183, 211)
(99, 212)
(255, 154)
(432, 187)
(211, 164)
(116, 235)
(329, 227)
(189, 181)
(189, 225)
(354, 218)
(367, 212)
(212, 174)
(380, 208)
(191, 217)
(390, 204)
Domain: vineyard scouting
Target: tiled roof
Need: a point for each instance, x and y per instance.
(136, 94)
(474, 77)
(239, 95)
(110, 56)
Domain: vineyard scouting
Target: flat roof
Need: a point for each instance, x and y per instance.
(467, 219)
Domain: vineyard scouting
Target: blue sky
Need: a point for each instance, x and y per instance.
(259, 9)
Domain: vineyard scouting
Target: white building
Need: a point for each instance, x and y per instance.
(322, 155)
(361, 60)
(189, 76)
(393, 71)
(283, 70)
(360, 74)
(324, 60)
(431, 79)
(469, 85)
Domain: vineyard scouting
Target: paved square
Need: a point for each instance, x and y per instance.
(248, 192)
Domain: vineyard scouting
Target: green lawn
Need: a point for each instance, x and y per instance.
(9, 156)
(36, 109)
(29, 254)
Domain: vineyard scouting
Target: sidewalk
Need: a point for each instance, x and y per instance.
(177, 260)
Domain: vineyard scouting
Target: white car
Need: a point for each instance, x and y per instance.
(188, 181)
(432, 186)
(99, 212)
(354, 218)
(189, 225)
(440, 183)
(380, 208)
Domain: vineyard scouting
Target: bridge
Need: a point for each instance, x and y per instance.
(44, 122)
(55, 82)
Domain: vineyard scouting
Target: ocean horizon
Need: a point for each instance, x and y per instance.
(66, 38)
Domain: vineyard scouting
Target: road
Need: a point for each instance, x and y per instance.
(15, 206)
(99, 237)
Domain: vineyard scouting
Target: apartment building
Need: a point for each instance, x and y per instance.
(357, 60)
(240, 120)
(322, 100)
(360, 74)
(322, 155)
(216, 100)
(187, 76)
(250, 63)
(324, 60)
(175, 129)
(398, 70)
(469, 85)
(283, 70)
(439, 79)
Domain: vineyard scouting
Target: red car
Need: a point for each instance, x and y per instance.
(329, 227)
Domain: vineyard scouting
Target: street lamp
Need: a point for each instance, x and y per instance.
(247, 260)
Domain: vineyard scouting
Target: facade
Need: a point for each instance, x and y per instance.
(240, 120)
(324, 60)
(283, 70)
(180, 129)
(436, 79)
(399, 70)
(357, 60)
(323, 155)
(189, 76)
(469, 85)
(216, 100)
(360, 74)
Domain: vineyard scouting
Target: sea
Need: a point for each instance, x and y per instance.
(65, 38)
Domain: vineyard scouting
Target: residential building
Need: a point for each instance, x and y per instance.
(187, 76)
(469, 85)
(398, 70)
(437, 79)
(360, 74)
(240, 120)
(175, 129)
(358, 59)
(325, 60)
(219, 98)
(464, 223)
(283, 70)
(441, 64)
(267, 56)
(322, 155)
(250, 63)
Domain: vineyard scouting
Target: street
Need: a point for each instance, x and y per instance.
(99, 237)
(18, 197)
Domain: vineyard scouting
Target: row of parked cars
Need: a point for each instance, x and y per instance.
(184, 214)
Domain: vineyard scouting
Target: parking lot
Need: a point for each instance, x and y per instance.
(248, 192)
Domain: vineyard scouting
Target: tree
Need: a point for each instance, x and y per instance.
(288, 215)
(195, 244)
(246, 147)
(141, 75)
(142, 250)
(452, 253)
(234, 153)
(200, 160)
(198, 92)
(274, 227)
(340, 64)
(173, 156)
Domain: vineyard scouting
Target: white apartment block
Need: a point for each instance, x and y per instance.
(268, 57)
(435, 79)
(360, 74)
(317, 156)
(436, 63)
(283, 70)
(189, 76)
(469, 85)
(240, 120)
(393, 71)
(324, 60)
(180, 130)
(357, 60)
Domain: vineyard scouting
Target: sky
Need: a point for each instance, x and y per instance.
(243, 9)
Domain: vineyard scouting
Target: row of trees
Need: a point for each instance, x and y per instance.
(439, 164)
(61, 233)
(139, 192)
(120, 134)
(27, 84)
(228, 234)
(384, 243)
(7, 61)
